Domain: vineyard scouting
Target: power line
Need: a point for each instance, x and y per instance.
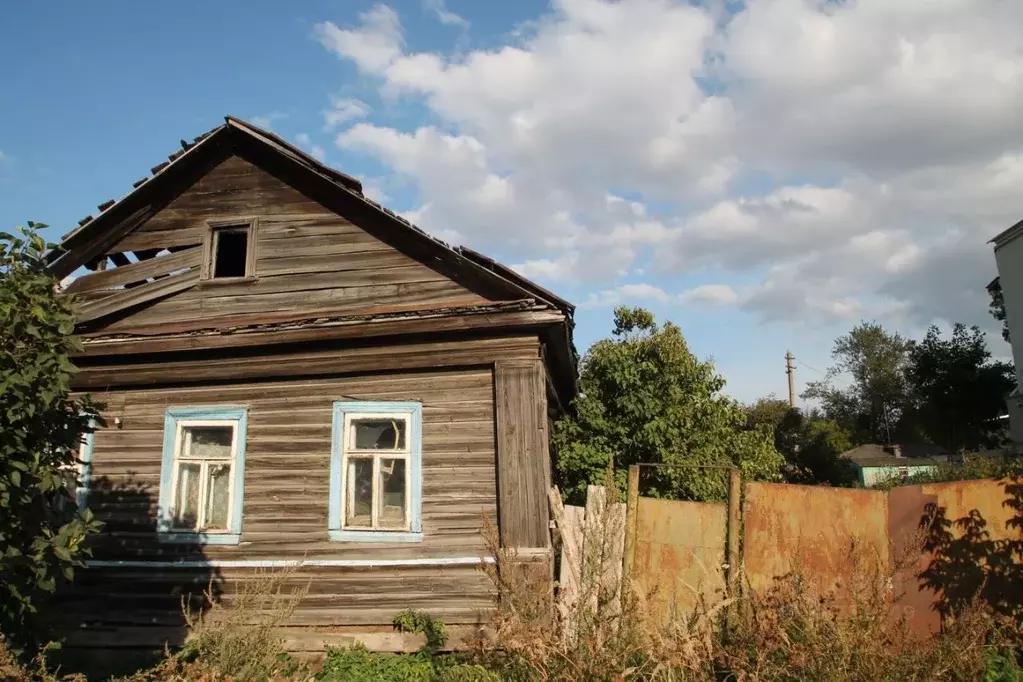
(812, 368)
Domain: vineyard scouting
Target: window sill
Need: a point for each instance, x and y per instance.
(374, 536)
(220, 281)
(200, 538)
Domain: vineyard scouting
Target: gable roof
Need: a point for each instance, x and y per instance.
(94, 236)
(874, 455)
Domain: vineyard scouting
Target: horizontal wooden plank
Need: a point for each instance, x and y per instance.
(441, 321)
(160, 239)
(137, 272)
(389, 358)
(139, 295)
(299, 264)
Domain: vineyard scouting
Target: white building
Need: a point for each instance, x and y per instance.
(1009, 257)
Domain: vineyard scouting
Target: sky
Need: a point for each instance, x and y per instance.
(765, 173)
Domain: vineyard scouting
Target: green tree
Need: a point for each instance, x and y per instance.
(41, 428)
(872, 406)
(645, 398)
(997, 305)
(810, 444)
(818, 458)
(959, 392)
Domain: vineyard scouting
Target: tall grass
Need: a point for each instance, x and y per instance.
(796, 630)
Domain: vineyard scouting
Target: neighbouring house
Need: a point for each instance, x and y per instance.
(882, 463)
(1009, 259)
(295, 376)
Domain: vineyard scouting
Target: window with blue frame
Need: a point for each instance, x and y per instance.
(203, 474)
(376, 472)
(79, 474)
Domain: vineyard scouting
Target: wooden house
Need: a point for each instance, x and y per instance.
(293, 375)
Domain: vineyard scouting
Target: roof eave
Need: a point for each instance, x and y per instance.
(1006, 236)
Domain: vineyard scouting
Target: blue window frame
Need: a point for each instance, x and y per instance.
(202, 477)
(376, 472)
(85, 468)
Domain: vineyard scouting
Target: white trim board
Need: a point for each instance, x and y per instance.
(290, 563)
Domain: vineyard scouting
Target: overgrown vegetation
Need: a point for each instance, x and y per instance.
(796, 630)
(646, 398)
(42, 532)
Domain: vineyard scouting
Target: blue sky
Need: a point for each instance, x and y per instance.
(758, 176)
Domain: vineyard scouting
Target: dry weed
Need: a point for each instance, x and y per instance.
(237, 639)
(12, 671)
(798, 630)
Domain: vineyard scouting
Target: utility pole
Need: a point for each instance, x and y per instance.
(790, 370)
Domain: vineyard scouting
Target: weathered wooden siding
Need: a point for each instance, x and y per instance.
(309, 261)
(287, 466)
(524, 467)
(288, 443)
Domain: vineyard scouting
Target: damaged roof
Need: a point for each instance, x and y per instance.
(75, 250)
(95, 235)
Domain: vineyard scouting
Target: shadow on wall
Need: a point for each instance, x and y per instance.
(968, 565)
(118, 616)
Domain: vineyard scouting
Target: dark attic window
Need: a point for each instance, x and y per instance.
(231, 252)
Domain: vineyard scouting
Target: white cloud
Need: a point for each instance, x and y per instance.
(444, 15)
(709, 296)
(266, 121)
(342, 110)
(847, 158)
(626, 292)
(373, 46)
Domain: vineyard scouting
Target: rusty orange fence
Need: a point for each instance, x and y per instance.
(934, 539)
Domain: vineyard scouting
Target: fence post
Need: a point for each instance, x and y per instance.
(733, 529)
(631, 503)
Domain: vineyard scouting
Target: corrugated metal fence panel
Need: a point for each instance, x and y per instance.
(680, 550)
(812, 529)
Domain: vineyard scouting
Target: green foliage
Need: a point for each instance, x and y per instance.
(822, 441)
(876, 361)
(411, 620)
(358, 663)
(42, 533)
(997, 305)
(811, 444)
(645, 398)
(958, 391)
(1001, 665)
(943, 391)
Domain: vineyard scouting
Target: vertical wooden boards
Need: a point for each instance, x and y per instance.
(523, 459)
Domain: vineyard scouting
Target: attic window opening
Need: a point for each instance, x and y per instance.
(230, 252)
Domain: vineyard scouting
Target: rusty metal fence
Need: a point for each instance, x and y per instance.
(680, 552)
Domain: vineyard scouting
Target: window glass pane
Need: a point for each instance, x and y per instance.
(391, 513)
(378, 434)
(218, 496)
(186, 502)
(359, 505)
(213, 442)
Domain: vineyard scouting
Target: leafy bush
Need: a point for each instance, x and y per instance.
(42, 533)
(411, 620)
